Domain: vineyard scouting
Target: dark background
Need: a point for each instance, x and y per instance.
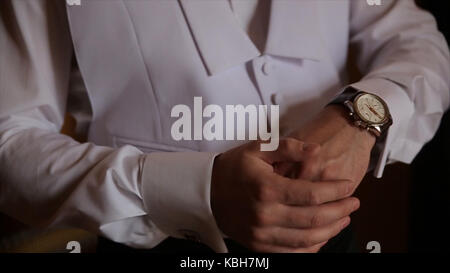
(431, 184)
(408, 209)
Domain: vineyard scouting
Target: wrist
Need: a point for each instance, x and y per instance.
(341, 115)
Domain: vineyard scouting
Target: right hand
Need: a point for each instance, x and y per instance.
(267, 212)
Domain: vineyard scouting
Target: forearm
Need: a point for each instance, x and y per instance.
(405, 60)
(49, 179)
(330, 119)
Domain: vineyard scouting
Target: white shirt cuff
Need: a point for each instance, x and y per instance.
(176, 193)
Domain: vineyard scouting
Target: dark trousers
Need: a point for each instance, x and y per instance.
(342, 243)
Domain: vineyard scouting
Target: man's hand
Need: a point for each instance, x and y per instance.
(267, 212)
(345, 148)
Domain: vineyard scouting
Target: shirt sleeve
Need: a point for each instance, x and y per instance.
(405, 60)
(48, 179)
(181, 206)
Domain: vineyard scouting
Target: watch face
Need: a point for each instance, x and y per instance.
(370, 108)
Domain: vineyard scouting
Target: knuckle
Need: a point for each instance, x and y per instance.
(351, 189)
(310, 167)
(347, 189)
(262, 219)
(265, 193)
(291, 144)
(288, 144)
(312, 197)
(290, 197)
(329, 173)
(261, 193)
(257, 235)
(266, 181)
(317, 220)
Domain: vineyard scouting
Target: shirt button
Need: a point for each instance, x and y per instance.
(277, 99)
(267, 68)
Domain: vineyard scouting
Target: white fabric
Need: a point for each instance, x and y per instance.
(140, 58)
(253, 16)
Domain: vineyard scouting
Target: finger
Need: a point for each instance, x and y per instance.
(311, 169)
(287, 169)
(315, 216)
(303, 238)
(280, 249)
(291, 150)
(306, 193)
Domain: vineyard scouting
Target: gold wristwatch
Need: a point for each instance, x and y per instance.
(368, 111)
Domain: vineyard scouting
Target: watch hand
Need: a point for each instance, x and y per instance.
(373, 111)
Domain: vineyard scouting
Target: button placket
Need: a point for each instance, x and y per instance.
(264, 70)
(267, 68)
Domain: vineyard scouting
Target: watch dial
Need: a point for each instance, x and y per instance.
(370, 108)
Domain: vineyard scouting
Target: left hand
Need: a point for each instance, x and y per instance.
(344, 152)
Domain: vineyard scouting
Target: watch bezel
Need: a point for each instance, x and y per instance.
(371, 123)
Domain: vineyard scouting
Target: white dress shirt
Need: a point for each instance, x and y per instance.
(253, 15)
(133, 184)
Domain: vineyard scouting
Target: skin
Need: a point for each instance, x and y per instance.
(345, 148)
(298, 197)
